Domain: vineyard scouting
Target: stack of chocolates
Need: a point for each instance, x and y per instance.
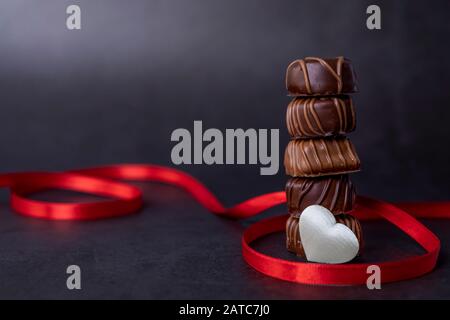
(319, 156)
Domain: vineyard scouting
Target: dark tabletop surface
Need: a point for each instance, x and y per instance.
(175, 249)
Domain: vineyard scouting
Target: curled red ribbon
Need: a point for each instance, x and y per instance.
(127, 199)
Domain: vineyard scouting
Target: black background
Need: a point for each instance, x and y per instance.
(114, 91)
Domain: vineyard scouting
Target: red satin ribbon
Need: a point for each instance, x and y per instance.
(127, 199)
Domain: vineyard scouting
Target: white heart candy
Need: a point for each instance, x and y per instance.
(323, 239)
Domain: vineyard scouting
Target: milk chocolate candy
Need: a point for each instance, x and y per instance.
(320, 157)
(294, 244)
(320, 117)
(336, 193)
(317, 76)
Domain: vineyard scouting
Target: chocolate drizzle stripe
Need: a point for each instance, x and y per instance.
(297, 111)
(340, 154)
(335, 195)
(352, 109)
(321, 162)
(333, 192)
(290, 119)
(318, 76)
(320, 117)
(337, 75)
(353, 224)
(326, 153)
(315, 154)
(305, 115)
(337, 104)
(289, 67)
(293, 237)
(305, 188)
(305, 75)
(293, 242)
(344, 118)
(318, 157)
(305, 157)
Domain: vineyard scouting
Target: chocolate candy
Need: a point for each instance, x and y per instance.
(318, 157)
(336, 193)
(320, 117)
(317, 76)
(294, 244)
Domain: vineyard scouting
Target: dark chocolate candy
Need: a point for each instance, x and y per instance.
(294, 244)
(320, 157)
(336, 193)
(317, 76)
(320, 117)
